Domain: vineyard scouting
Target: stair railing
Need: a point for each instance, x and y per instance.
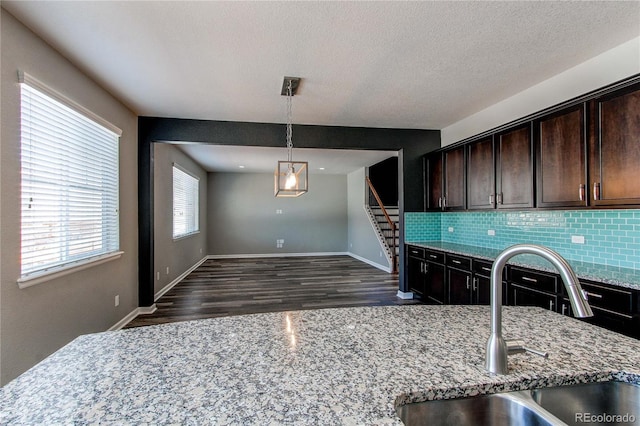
(391, 224)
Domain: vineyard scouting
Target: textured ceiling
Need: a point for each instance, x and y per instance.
(377, 64)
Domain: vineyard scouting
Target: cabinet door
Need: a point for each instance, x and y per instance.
(459, 287)
(523, 296)
(615, 161)
(514, 169)
(481, 175)
(482, 290)
(415, 273)
(561, 163)
(481, 287)
(433, 175)
(454, 182)
(434, 282)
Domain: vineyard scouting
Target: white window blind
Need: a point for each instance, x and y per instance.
(185, 203)
(69, 177)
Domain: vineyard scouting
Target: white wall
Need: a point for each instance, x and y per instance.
(242, 215)
(38, 320)
(181, 254)
(363, 241)
(614, 65)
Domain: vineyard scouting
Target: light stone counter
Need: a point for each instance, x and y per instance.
(334, 366)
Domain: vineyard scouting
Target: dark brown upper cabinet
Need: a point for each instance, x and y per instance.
(433, 175)
(514, 168)
(444, 172)
(454, 182)
(481, 186)
(561, 159)
(615, 148)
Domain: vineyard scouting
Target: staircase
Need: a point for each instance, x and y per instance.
(389, 237)
(385, 222)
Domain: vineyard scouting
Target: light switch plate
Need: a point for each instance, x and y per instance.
(577, 239)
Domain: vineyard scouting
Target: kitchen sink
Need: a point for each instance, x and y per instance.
(584, 403)
(500, 409)
(607, 403)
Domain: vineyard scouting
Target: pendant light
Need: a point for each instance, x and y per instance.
(291, 177)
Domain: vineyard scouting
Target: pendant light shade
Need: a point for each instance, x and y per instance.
(291, 178)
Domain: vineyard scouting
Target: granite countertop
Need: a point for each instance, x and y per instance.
(347, 366)
(621, 277)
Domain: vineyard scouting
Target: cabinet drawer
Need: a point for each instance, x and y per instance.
(434, 256)
(535, 280)
(416, 252)
(482, 267)
(459, 262)
(613, 300)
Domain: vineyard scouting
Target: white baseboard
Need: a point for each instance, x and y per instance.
(404, 295)
(132, 315)
(372, 263)
(179, 278)
(248, 256)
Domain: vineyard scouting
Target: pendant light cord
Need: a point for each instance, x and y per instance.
(289, 121)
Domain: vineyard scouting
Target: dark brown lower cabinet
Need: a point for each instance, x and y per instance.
(416, 275)
(434, 283)
(442, 278)
(615, 309)
(527, 296)
(460, 288)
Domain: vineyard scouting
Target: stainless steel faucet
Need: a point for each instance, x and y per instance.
(497, 347)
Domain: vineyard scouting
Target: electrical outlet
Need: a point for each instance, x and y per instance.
(451, 229)
(279, 243)
(167, 270)
(200, 251)
(117, 300)
(491, 232)
(279, 211)
(158, 275)
(577, 239)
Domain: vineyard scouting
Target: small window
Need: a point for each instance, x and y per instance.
(185, 203)
(69, 183)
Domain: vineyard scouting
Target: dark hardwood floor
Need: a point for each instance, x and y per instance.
(224, 287)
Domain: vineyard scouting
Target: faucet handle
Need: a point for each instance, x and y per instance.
(518, 347)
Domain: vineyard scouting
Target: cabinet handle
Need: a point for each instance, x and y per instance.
(457, 262)
(440, 202)
(499, 198)
(533, 280)
(581, 191)
(491, 199)
(421, 267)
(468, 286)
(484, 268)
(597, 296)
(444, 202)
(475, 284)
(596, 191)
(551, 305)
(564, 308)
(433, 256)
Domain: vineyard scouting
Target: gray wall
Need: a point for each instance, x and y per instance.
(181, 254)
(242, 215)
(38, 320)
(362, 238)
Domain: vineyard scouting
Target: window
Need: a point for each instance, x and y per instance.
(69, 183)
(185, 203)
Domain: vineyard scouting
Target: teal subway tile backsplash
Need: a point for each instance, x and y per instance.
(421, 226)
(611, 237)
